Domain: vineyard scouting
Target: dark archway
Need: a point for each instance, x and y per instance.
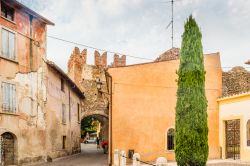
(102, 129)
(8, 149)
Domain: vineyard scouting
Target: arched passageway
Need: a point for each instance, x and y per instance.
(8, 149)
(94, 136)
(95, 125)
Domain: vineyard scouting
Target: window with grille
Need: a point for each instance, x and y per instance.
(7, 12)
(170, 139)
(8, 97)
(248, 133)
(63, 114)
(8, 44)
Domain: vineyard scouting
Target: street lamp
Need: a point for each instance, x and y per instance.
(247, 62)
(98, 84)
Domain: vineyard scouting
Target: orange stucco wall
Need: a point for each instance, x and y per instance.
(143, 106)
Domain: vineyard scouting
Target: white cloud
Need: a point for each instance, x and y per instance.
(137, 27)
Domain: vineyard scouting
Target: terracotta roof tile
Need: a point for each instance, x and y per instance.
(171, 54)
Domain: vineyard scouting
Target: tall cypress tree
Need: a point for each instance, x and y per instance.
(191, 108)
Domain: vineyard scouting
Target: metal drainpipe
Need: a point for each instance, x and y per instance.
(110, 118)
(31, 41)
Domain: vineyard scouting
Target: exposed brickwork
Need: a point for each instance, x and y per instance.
(75, 65)
(85, 76)
(100, 60)
(235, 81)
(171, 54)
(119, 61)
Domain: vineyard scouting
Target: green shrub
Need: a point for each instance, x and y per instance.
(191, 108)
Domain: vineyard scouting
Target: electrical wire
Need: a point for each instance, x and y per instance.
(95, 48)
(104, 50)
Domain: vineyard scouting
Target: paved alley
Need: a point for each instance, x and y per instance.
(89, 156)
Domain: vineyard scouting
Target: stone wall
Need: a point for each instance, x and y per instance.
(85, 76)
(235, 81)
(75, 65)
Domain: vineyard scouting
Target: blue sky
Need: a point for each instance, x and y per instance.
(138, 27)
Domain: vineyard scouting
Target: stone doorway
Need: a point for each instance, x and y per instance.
(233, 139)
(7, 149)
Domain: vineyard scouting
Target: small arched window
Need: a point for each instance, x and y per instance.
(248, 132)
(170, 139)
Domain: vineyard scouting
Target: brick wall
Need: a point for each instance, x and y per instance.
(119, 61)
(100, 60)
(75, 65)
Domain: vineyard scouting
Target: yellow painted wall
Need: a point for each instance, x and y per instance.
(235, 107)
(143, 106)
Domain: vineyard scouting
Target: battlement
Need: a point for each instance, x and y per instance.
(78, 59)
(100, 60)
(119, 61)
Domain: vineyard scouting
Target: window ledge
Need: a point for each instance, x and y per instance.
(8, 59)
(170, 151)
(13, 22)
(9, 113)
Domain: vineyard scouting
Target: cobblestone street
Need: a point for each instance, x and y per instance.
(89, 156)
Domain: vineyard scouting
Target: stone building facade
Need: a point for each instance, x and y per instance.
(87, 77)
(28, 118)
(63, 107)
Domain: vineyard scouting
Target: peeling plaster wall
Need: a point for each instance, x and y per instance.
(28, 124)
(37, 123)
(55, 128)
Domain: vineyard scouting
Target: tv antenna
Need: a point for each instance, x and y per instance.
(172, 20)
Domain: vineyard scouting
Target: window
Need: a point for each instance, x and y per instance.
(64, 142)
(9, 97)
(8, 44)
(62, 85)
(7, 12)
(63, 114)
(78, 112)
(170, 139)
(248, 133)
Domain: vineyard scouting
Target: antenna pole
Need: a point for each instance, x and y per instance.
(172, 2)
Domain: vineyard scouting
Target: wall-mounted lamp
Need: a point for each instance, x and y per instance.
(98, 84)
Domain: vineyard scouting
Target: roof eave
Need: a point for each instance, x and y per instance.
(61, 72)
(31, 12)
